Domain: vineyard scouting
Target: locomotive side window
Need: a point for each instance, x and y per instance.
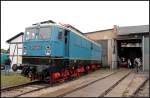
(91, 46)
(60, 34)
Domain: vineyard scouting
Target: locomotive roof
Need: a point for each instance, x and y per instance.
(71, 29)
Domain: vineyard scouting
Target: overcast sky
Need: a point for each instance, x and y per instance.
(86, 16)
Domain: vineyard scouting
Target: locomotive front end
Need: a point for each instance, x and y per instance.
(36, 52)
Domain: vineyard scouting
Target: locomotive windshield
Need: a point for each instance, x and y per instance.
(30, 34)
(44, 33)
(38, 33)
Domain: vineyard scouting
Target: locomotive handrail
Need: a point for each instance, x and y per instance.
(48, 21)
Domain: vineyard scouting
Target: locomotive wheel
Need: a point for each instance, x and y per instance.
(93, 67)
(87, 68)
(14, 67)
(98, 66)
(2, 67)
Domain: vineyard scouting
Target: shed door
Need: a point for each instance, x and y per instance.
(104, 44)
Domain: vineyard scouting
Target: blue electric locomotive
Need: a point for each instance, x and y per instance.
(54, 52)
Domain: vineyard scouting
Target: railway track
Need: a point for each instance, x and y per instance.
(22, 90)
(97, 87)
(74, 90)
(17, 86)
(16, 91)
(113, 85)
(143, 90)
(89, 90)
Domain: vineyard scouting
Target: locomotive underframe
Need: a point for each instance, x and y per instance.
(56, 69)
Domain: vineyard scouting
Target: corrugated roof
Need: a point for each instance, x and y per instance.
(132, 29)
(21, 33)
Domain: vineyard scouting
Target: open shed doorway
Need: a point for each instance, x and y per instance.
(129, 49)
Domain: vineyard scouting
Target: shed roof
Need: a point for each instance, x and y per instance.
(9, 40)
(98, 31)
(132, 29)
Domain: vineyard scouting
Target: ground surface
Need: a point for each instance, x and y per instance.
(16, 78)
(67, 86)
(144, 91)
(12, 79)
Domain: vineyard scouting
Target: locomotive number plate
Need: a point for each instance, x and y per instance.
(35, 47)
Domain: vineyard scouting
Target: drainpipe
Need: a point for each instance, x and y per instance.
(114, 48)
(143, 51)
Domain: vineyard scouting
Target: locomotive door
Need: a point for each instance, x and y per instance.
(66, 41)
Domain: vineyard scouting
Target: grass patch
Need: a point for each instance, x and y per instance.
(12, 79)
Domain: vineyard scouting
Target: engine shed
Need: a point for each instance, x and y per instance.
(127, 41)
(133, 41)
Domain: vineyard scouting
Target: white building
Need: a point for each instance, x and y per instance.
(15, 46)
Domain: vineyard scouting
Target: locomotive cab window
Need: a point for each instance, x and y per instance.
(40, 33)
(44, 33)
(30, 34)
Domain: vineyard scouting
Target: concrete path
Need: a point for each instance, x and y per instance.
(100, 87)
(143, 91)
(128, 86)
(135, 85)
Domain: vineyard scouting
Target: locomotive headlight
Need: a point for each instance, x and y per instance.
(25, 52)
(47, 47)
(48, 52)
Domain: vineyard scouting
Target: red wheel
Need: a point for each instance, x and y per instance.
(98, 65)
(93, 66)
